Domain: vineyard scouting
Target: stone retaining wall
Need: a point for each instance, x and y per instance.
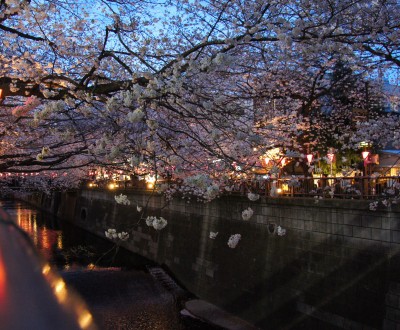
(338, 262)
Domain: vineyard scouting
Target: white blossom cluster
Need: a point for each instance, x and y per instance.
(101, 145)
(122, 199)
(247, 214)
(352, 190)
(128, 98)
(136, 116)
(112, 103)
(390, 191)
(114, 153)
(48, 109)
(199, 186)
(156, 223)
(200, 181)
(253, 197)
(389, 196)
(280, 231)
(213, 235)
(114, 235)
(234, 240)
(373, 205)
(293, 182)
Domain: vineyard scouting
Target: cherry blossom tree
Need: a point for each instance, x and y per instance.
(195, 89)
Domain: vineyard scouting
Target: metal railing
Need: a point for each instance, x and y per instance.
(358, 187)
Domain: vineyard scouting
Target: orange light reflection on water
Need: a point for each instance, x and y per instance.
(3, 283)
(3, 277)
(44, 239)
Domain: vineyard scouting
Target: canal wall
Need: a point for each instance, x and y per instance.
(338, 262)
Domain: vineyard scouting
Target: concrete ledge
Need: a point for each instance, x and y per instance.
(216, 316)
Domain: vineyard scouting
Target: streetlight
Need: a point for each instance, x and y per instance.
(330, 156)
(112, 186)
(309, 158)
(365, 155)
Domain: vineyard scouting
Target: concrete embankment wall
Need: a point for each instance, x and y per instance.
(338, 262)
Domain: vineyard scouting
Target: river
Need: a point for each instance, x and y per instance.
(115, 284)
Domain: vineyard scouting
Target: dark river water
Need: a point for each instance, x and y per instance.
(119, 291)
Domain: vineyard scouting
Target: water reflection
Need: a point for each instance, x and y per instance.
(43, 238)
(44, 231)
(66, 246)
(2, 283)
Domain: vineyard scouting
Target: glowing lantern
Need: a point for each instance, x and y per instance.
(150, 180)
(330, 156)
(365, 155)
(309, 158)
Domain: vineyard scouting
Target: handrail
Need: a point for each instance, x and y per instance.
(357, 187)
(32, 295)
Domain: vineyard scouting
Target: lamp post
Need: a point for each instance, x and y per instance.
(309, 158)
(309, 183)
(365, 155)
(330, 156)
